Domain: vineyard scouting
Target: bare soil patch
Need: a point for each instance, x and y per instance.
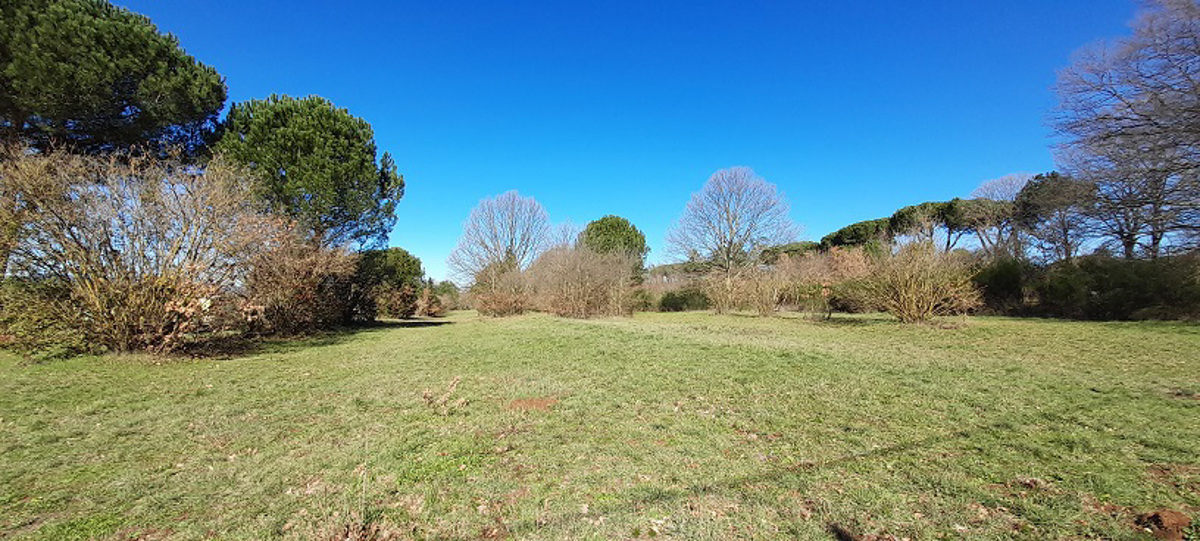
(535, 403)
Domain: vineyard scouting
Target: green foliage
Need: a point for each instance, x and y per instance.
(394, 267)
(642, 301)
(1104, 288)
(864, 233)
(1003, 282)
(615, 235)
(1052, 208)
(771, 255)
(100, 77)
(684, 300)
(316, 164)
(33, 320)
(446, 288)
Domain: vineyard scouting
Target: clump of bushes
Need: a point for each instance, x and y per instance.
(1103, 288)
(917, 282)
(430, 304)
(294, 286)
(398, 302)
(130, 252)
(576, 281)
(1003, 283)
(683, 300)
(138, 252)
(500, 290)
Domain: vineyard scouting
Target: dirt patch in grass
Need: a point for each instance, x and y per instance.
(534, 403)
(1165, 524)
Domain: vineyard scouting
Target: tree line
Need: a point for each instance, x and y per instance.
(1111, 235)
(134, 217)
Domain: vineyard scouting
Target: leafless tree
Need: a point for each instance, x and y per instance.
(990, 215)
(731, 219)
(1131, 113)
(506, 230)
(1004, 188)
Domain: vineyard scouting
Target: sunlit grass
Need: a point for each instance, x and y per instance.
(679, 425)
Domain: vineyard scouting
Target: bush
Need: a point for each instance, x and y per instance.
(917, 282)
(295, 286)
(430, 304)
(130, 252)
(642, 300)
(1103, 288)
(579, 282)
(39, 319)
(1002, 283)
(500, 291)
(397, 302)
(684, 300)
(501, 303)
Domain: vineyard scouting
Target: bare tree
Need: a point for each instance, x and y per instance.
(507, 230)
(1131, 113)
(1004, 188)
(734, 217)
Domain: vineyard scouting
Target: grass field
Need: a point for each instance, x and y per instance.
(665, 425)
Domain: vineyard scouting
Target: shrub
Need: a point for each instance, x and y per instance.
(579, 282)
(1002, 282)
(500, 290)
(820, 283)
(131, 252)
(295, 286)
(683, 300)
(642, 300)
(917, 282)
(430, 304)
(1103, 288)
(397, 302)
(38, 318)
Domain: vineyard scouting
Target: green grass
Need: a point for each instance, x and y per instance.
(688, 426)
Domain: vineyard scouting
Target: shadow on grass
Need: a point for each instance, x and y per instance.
(782, 474)
(239, 345)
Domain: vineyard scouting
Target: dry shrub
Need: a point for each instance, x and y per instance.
(296, 286)
(429, 304)
(579, 282)
(500, 290)
(722, 290)
(132, 252)
(819, 282)
(917, 282)
(762, 289)
(396, 302)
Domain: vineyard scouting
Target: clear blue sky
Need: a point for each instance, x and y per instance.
(594, 108)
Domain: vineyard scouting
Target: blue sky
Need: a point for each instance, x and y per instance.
(853, 108)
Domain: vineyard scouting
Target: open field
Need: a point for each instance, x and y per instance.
(665, 425)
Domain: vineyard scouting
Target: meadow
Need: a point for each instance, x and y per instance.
(687, 425)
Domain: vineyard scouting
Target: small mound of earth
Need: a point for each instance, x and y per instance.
(1165, 524)
(537, 403)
